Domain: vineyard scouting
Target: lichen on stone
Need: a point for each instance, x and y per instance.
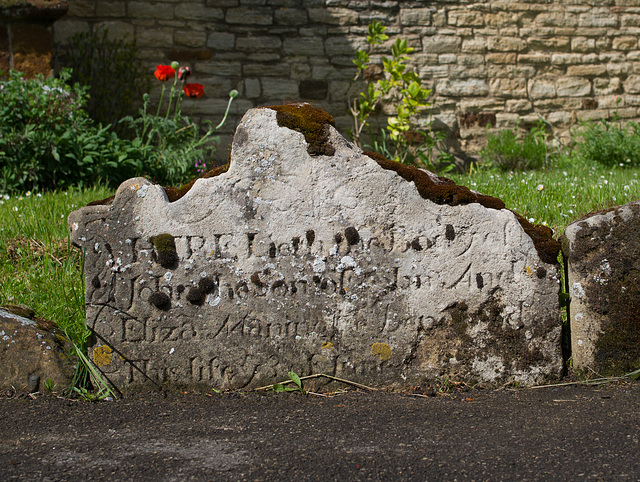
(382, 350)
(102, 355)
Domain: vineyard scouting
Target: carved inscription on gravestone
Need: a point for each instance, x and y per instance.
(316, 264)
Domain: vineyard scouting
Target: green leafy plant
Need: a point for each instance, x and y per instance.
(47, 140)
(395, 85)
(283, 387)
(111, 70)
(50, 385)
(173, 145)
(511, 150)
(610, 143)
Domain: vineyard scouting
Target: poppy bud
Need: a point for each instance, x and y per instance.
(174, 65)
(233, 94)
(183, 73)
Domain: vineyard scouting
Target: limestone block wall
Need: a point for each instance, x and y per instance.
(488, 61)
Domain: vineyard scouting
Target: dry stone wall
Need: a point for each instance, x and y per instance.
(488, 62)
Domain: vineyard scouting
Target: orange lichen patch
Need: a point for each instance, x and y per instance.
(175, 193)
(102, 355)
(381, 349)
(327, 345)
(441, 190)
(311, 122)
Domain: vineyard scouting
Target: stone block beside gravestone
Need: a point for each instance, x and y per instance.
(603, 251)
(305, 254)
(33, 354)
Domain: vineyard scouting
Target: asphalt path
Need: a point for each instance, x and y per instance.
(556, 433)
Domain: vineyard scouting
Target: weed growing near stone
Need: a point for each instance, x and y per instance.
(397, 90)
(295, 379)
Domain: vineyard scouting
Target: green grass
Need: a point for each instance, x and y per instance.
(38, 266)
(560, 196)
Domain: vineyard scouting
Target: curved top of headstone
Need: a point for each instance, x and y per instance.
(318, 129)
(305, 253)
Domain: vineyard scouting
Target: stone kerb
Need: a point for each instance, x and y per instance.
(603, 252)
(317, 263)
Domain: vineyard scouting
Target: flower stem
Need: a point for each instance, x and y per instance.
(171, 95)
(224, 119)
(161, 98)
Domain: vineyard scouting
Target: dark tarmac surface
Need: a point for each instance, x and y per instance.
(561, 433)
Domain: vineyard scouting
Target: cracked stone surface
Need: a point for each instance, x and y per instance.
(316, 264)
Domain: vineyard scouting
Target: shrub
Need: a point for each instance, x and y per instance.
(610, 143)
(394, 84)
(508, 150)
(47, 140)
(110, 68)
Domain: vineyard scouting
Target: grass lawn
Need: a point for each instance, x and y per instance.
(557, 197)
(40, 269)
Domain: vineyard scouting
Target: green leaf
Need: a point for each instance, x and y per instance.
(414, 89)
(296, 379)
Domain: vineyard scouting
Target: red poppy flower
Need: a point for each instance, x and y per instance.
(164, 72)
(194, 90)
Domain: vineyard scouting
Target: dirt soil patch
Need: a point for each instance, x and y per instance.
(527, 434)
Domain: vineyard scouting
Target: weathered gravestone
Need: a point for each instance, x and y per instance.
(307, 255)
(603, 251)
